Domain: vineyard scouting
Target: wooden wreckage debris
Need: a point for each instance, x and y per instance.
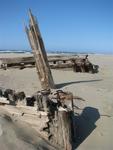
(40, 59)
(59, 118)
(77, 63)
(54, 111)
(55, 122)
(37, 45)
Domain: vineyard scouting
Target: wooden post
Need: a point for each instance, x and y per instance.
(37, 45)
(65, 125)
(61, 130)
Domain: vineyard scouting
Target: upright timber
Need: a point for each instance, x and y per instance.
(37, 45)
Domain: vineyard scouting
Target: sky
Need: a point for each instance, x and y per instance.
(70, 25)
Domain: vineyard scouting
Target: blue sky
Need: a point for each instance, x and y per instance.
(72, 25)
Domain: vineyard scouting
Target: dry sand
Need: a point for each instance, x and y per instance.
(97, 90)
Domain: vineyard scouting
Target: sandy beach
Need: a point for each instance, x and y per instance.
(97, 90)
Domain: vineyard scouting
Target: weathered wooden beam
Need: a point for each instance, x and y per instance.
(40, 55)
(55, 62)
(64, 137)
(30, 60)
(60, 123)
(61, 65)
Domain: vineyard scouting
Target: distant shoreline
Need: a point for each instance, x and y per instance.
(52, 52)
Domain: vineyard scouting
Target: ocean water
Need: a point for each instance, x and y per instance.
(48, 51)
(56, 52)
(15, 51)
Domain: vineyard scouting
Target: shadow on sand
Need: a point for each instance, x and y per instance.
(85, 124)
(77, 82)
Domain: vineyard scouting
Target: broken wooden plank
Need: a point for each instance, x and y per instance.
(37, 45)
(65, 124)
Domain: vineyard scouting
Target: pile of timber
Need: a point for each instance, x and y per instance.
(79, 64)
(55, 111)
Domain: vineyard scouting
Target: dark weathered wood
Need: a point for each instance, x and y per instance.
(54, 62)
(79, 64)
(30, 59)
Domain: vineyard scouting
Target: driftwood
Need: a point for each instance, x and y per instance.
(39, 52)
(60, 130)
(79, 64)
(53, 111)
(59, 125)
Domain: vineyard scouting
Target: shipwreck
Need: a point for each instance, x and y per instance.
(54, 109)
